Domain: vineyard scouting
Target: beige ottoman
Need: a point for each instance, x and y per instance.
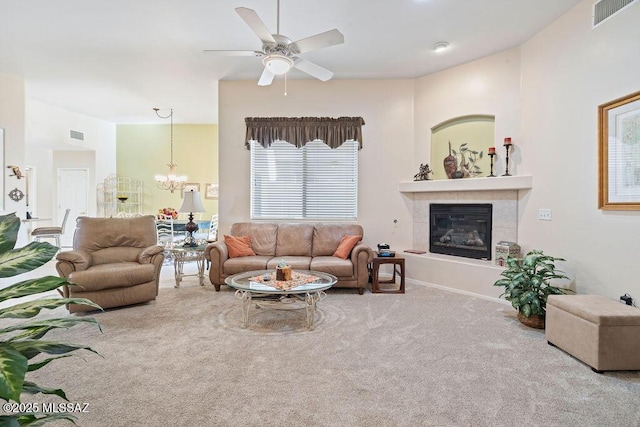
(604, 334)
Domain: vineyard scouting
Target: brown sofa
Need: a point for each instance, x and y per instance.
(304, 246)
(114, 262)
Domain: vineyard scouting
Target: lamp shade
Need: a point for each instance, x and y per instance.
(192, 202)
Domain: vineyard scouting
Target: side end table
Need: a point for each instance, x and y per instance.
(375, 269)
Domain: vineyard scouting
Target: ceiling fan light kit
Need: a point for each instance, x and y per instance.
(277, 64)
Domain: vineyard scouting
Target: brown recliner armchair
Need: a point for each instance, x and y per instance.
(114, 262)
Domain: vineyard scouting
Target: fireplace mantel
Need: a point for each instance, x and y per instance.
(520, 182)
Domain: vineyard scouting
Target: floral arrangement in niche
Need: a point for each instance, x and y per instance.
(167, 212)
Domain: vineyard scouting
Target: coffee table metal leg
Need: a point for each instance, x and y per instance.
(245, 298)
(200, 262)
(312, 301)
(178, 267)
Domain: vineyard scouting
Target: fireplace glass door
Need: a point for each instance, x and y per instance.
(462, 230)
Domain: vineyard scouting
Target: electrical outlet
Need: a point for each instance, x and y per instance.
(544, 214)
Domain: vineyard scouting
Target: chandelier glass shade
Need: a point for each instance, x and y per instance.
(170, 181)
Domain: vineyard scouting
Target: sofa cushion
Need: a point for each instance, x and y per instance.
(263, 236)
(346, 245)
(326, 237)
(296, 262)
(238, 246)
(245, 263)
(294, 239)
(108, 276)
(333, 265)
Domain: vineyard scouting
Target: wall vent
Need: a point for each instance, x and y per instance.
(605, 9)
(74, 134)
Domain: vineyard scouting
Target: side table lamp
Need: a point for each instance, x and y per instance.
(191, 204)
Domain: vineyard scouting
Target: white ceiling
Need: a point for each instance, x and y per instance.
(117, 59)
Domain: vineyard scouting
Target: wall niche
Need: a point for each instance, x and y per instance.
(476, 130)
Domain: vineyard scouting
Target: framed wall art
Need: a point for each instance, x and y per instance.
(619, 154)
(211, 191)
(190, 186)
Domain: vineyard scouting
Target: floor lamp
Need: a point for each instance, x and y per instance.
(191, 204)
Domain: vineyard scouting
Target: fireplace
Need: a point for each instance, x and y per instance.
(462, 230)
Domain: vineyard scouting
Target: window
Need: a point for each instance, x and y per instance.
(312, 182)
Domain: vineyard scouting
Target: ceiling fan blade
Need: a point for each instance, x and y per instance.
(234, 52)
(266, 78)
(313, 69)
(255, 23)
(319, 41)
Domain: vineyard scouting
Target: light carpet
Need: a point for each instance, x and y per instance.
(429, 357)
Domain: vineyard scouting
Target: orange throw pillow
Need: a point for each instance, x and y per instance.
(346, 244)
(238, 246)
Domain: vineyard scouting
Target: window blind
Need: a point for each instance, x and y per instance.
(312, 182)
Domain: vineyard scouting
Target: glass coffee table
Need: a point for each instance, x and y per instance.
(303, 292)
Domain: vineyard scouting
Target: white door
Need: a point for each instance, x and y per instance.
(73, 193)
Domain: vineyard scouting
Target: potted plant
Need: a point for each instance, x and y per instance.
(23, 346)
(526, 285)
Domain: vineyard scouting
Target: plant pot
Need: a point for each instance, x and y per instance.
(533, 321)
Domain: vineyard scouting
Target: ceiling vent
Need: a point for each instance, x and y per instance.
(74, 134)
(605, 9)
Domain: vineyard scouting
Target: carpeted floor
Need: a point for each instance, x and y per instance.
(428, 357)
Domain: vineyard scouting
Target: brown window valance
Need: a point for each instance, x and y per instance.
(300, 130)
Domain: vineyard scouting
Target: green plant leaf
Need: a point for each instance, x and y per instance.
(525, 310)
(33, 420)
(13, 367)
(26, 259)
(32, 308)
(35, 366)
(31, 348)
(32, 388)
(9, 421)
(38, 328)
(31, 287)
(9, 226)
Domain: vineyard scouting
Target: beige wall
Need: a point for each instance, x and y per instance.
(385, 105)
(12, 120)
(568, 69)
(49, 147)
(143, 151)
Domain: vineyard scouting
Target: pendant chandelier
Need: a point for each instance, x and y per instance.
(171, 181)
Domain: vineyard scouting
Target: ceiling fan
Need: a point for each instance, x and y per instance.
(279, 53)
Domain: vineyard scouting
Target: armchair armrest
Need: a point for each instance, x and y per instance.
(70, 261)
(147, 255)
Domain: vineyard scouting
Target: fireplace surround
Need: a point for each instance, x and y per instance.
(461, 229)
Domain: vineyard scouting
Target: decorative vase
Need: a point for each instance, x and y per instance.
(450, 163)
(533, 321)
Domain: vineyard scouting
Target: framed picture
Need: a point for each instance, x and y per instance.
(190, 186)
(619, 154)
(211, 191)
